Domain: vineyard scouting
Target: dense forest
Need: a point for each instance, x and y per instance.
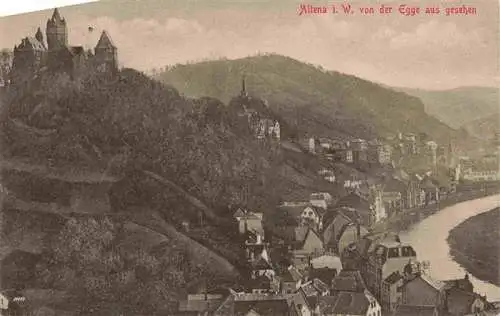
(204, 160)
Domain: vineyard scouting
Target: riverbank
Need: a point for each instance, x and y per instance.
(403, 221)
(474, 245)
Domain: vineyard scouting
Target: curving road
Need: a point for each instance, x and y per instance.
(429, 238)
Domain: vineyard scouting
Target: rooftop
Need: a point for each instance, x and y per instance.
(344, 303)
(406, 310)
(349, 281)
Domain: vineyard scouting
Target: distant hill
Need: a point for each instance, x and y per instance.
(315, 101)
(485, 127)
(461, 106)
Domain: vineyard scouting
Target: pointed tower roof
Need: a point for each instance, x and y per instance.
(39, 35)
(243, 91)
(105, 41)
(56, 16)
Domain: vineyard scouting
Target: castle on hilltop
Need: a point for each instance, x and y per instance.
(33, 56)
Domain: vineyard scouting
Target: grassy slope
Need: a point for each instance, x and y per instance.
(316, 101)
(457, 107)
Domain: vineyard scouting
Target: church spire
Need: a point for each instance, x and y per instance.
(243, 92)
(56, 16)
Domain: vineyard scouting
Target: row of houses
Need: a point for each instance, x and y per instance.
(383, 151)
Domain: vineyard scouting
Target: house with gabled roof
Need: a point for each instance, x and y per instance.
(300, 304)
(308, 243)
(249, 221)
(348, 303)
(290, 280)
(462, 302)
(343, 230)
(361, 204)
(348, 281)
(303, 213)
(262, 266)
(423, 290)
(431, 190)
(391, 295)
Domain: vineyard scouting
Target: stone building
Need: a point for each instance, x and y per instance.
(34, 55)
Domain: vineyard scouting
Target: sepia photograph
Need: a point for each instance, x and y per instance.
(250, 158)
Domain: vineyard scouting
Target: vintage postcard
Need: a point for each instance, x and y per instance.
(251, 158)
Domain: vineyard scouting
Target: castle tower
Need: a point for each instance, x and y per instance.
(106, 53)
(57, 34)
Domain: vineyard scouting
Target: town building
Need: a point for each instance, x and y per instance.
(349, 303)
(307, 244)
(249, 221)
(249, 304)
(343, 230)
(431, 152)
(391, 296)
(393, 202)
(290, 280)
(387, 257)
(328, 263)
(364, 205)
(424, 291)
(200, 304)
(261, 266)
(321, 199)
(410, 144)
(379, 153)
(348, 281)
(462, 302)
(303, 214)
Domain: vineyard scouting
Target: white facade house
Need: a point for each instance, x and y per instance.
(4, 303)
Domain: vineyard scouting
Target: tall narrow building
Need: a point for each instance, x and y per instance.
(243, 92)
(106, 53)
(57, 32)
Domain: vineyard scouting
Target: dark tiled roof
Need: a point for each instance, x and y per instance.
(405, 310)
(105, 41)
(344, 303)
(459, 300)
(262, 307)
(355, 201)
(464, 284)
(261, 264)
(294, 210)
(393, 277)
(349, 281)
(291, 275)
(76, 50)
(324, 274)
(261, 282)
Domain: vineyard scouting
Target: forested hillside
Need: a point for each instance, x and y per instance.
(309, 98)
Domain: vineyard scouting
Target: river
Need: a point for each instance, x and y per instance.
(429, 239)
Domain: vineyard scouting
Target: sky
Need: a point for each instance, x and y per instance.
(422, 51)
